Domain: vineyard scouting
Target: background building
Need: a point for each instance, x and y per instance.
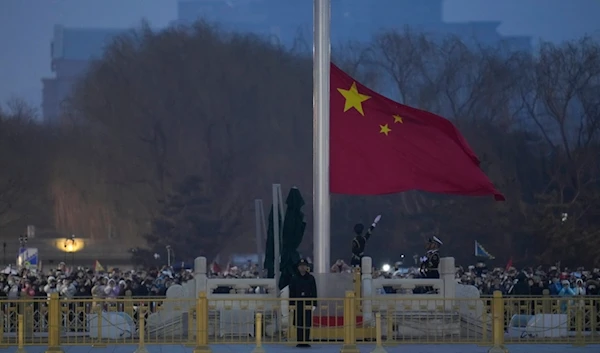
(285, 21)
(71, 51)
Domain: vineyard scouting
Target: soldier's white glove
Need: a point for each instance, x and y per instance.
(376, 221)
(423, 259)
(314, 308)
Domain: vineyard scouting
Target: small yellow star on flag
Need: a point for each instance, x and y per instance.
(384, 129)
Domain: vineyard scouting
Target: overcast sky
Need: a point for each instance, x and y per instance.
(26, 27)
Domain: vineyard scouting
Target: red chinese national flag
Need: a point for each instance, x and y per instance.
(379, 146)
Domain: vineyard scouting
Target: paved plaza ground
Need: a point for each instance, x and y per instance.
(459, 348)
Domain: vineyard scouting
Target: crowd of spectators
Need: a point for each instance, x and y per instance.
(510, 281)
(85, 282)
(532, 281)
(82, 282)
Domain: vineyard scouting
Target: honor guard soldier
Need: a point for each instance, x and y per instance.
(360, 241)
(303, 294)
(430, 262)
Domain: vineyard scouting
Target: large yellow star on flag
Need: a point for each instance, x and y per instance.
(353, 99)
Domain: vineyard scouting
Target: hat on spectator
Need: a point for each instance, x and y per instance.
(303, 262)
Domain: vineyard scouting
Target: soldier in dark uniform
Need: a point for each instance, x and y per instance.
(430, 262)
(360, 241)
(303, 288)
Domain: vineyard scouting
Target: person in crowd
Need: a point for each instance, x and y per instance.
(566, 291)
(340, 267)
(579, 287)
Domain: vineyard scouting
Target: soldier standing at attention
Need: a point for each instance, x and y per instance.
(303, 294)
(360, 241)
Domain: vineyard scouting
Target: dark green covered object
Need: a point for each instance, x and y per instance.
(269, 264)
(292, 234)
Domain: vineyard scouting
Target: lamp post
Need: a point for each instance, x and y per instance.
(23, 238)
(73, 250)
(169, 250)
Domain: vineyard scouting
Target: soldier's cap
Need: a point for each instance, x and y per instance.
(436, 240)
(303, 262)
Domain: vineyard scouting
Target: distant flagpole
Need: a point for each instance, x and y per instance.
(321, 197)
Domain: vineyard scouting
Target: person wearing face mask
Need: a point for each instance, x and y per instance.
(111, 290)
(555, 286)
(98, 289)
(566, 291)
(14, 290)
(579, 287)
(68, 289)
(28, 290)
(51, 286)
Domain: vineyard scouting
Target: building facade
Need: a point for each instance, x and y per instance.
(285, 21)
(71, 52)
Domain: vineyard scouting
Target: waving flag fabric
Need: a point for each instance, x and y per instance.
(481, 252)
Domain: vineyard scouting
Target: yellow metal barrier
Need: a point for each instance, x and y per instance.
(202, 324)
(497, 324)
(378, 344)
(54, 324)
(258, 325)
(142, 336)
(21, 334)
(256, 320)
(357, 287)
(349, 324)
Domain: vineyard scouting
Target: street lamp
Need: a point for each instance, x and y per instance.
(169, 250)
(70, 248)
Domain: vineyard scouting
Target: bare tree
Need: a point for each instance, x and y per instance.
(228, 108)
(24, 152)
(563, 107)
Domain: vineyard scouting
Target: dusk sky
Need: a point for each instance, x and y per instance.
(26, 27)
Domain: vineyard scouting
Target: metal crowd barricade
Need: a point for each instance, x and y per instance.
(386, 320)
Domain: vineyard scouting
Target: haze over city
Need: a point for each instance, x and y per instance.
(27, 27)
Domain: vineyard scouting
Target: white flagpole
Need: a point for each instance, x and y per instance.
(321, 197)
